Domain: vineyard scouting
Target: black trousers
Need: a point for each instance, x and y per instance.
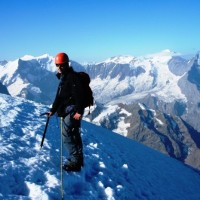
(72, 139)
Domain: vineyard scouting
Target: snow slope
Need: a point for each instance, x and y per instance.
(115, 167)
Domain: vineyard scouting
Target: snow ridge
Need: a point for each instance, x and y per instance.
(115, 167)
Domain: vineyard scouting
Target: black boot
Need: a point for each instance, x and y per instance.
(72, 167)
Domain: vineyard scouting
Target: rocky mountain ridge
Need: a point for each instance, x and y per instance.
(166, 133)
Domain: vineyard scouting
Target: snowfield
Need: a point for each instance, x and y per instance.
(116, 168)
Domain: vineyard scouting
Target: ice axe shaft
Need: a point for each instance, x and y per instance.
(45, 130)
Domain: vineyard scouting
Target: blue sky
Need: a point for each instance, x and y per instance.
(93, 30)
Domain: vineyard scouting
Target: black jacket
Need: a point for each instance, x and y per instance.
(69, 92)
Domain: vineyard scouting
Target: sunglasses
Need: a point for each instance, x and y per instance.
(60, 65)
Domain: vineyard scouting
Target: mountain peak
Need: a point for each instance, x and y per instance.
(45, 56)
(42, 57)
(27, 57)
(165, 52)
(120, 59)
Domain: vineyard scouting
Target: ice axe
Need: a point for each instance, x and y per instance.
(45, 129)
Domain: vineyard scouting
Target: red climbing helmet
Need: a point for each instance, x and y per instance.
(61, 58)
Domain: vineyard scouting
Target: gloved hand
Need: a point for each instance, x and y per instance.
(49, 114)
(77, 116)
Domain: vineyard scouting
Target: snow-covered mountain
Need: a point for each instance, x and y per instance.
(116, 168)
(122, 76)
(32, 77)
(166, 133)
(159, 78)
(133, 78)
(164, 83)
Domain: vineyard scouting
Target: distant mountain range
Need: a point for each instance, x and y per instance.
(154, 99)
